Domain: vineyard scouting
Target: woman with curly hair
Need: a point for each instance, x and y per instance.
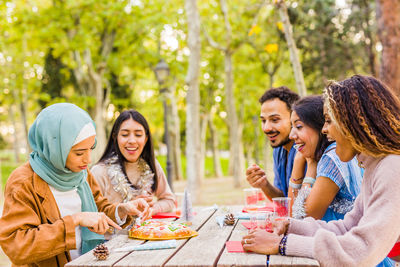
(363, 117)
(330, 186)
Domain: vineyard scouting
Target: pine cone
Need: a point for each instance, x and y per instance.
(101, 252)
(229, 219)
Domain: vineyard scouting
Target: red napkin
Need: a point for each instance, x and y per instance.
(395, 250)
(267, 207)
(248, 226)
(163, 215)
(234, 246)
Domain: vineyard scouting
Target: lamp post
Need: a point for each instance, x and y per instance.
(256, 130)
(161, 71)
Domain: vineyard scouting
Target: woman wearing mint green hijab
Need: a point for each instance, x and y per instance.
(53, 210)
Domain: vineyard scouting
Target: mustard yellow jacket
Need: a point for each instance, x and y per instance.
(32, 233)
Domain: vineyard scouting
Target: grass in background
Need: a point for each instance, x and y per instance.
(208, 165)
(7, 165)
(6, 169)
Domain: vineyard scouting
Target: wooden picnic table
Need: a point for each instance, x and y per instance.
(206, 249)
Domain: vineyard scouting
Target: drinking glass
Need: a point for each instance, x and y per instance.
(281, 207)
(178, 203)
(250, 199)
(264, 220)
(253, 220)
(269, 219)
(261, 200)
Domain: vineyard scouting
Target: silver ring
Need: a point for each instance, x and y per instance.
(245, 241)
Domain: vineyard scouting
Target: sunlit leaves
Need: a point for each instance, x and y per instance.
(255, 29)
(271, 48)
(279, 24)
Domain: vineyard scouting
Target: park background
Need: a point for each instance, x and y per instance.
(194, 69)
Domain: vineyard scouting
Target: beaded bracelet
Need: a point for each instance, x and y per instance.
(294, 186)
(282, 246)
(309, 180)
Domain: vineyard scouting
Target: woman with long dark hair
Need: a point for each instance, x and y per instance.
(330, 186)
(128, 169)
(363, 117)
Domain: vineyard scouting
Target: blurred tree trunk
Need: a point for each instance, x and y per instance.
(91, 82)
(79, 72)
(15, 138)
(23, 105)
(236, 162)
(370, 47)
(174, 134)
(96, 86)
(203, 140)
(294, 55)
(235, 135)
(22, 102)
(193, 99)
(388, 15)
(214, 148)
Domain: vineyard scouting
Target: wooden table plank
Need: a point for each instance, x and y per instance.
(280, 261)
(204, 249)
(118, 241)
(285, 261)
(240, 259)
(304, 262)
(153, 258)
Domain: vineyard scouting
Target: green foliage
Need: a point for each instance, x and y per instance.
(44, 41)
(6, 170)
(7, 165)
(326, 37)
(3, 143)
(53, 79)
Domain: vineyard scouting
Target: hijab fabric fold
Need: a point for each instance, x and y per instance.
(51, 137)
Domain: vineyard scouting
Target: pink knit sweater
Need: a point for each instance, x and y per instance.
(367, 233)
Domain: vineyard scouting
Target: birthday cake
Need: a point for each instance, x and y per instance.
(161, 230)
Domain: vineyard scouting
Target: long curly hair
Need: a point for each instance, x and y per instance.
(367, 112)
